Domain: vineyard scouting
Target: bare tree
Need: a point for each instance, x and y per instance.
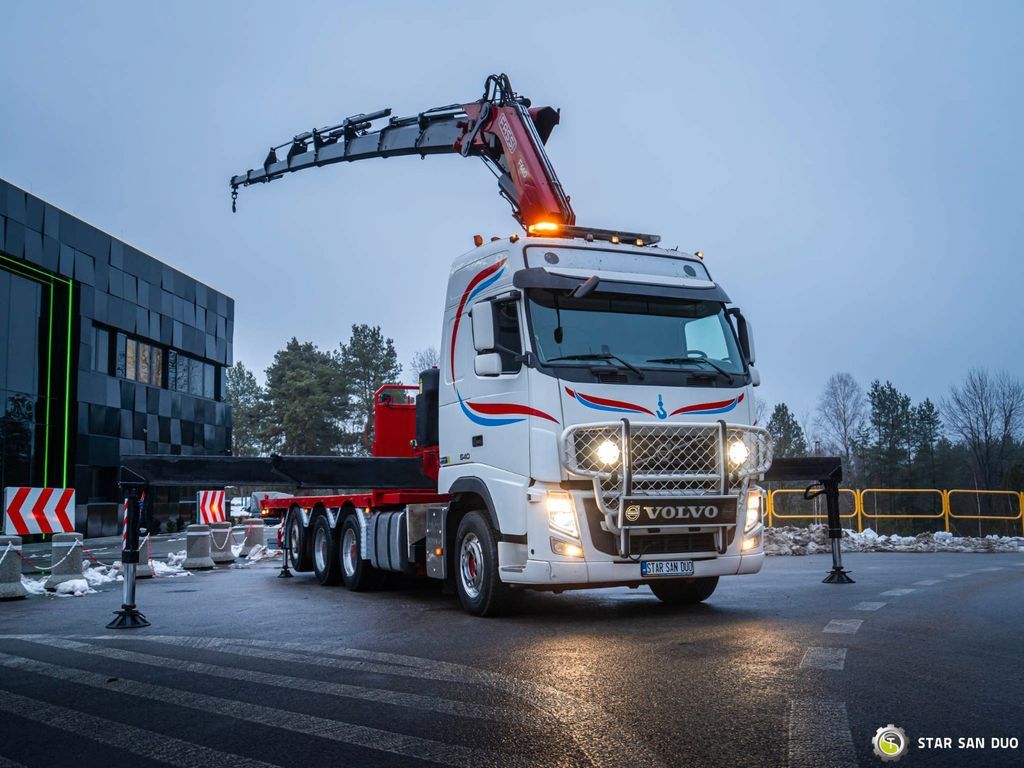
(987, 413)
(422, 360)
(759, 407)
(841, 414)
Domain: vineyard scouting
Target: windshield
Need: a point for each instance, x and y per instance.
(633, 332)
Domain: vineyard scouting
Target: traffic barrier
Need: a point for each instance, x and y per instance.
(210, 505)
(197, 548)
(844, 493)
(1013, 500)
(221, 551)
(144, 570)
(255, 535)
(38, 510)
(66, 558)
(874, 494)
(11, 587)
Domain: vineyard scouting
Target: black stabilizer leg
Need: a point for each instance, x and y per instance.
(838, 575)
(129, 616)
(285, 573)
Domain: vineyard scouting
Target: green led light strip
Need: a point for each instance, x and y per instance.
(47, 279)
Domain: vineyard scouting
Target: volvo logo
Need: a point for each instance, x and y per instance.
(655, 514)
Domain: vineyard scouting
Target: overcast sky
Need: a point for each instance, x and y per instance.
(853, 171)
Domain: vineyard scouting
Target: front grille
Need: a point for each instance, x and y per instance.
(668, 460)
(672, 543)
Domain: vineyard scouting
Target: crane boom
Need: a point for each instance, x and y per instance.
(501, 128)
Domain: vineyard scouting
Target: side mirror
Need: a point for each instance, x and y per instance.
(483, 327)
(487, 364)
(746, 337)
(755, 377)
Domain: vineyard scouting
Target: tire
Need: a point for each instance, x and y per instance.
(324, 548)
(299, 545)
(684, 591)
(356, 572)
(475, 564)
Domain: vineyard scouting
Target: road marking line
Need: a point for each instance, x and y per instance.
(956, 575)
(379, 695)
(993, 568)
(138, 741)
(868, 606)
(898, 592)
(843, 626)
(296, 722)
(580, 717)
(823, 658)
(819, 735)
(927, 582)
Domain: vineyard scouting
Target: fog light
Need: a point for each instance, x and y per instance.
(608, 453)
(560, 515)
(749, 543)
(738, 452)
(560, 547)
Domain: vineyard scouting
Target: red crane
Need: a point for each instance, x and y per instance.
(501, 127)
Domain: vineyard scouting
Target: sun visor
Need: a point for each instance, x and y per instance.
(538, 277)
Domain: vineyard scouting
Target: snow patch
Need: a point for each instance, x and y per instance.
(172, 567)
(813, 539)
(75, 588)
(34, 586)
(258, 553)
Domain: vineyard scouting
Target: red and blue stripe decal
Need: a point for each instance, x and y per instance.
(488, 414)
(722, 406)
(603, 404)
(620, 406)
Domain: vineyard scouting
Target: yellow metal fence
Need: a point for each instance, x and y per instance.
(871, 504)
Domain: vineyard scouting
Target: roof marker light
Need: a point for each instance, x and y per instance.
(615, 239)
(542, 226)
(478, 240)
(699, 254)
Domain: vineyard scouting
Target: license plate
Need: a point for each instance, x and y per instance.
(666, 568)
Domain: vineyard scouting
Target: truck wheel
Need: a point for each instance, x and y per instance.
(357, 573)
(299, 542)
(476, 569)
(326, 563)
(684, 591)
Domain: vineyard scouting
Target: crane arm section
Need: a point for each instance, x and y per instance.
(501, 128)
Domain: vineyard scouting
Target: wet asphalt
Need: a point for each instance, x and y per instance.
(240, 668)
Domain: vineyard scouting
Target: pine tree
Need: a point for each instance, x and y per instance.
(368, 360)
(248, 410)
(787, 433)
(307, 401)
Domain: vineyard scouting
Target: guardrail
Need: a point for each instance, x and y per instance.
(865, 505)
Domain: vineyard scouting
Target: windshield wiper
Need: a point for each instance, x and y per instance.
(680, 360)
(599, 356)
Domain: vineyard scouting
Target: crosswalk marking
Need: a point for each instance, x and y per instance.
(823, 658)
(927, 582)
(868, 606)
(137, 741)
(819, 735)
(412, 700)
(897, 592)
(843, 626)
(308, 725)
(578, 716)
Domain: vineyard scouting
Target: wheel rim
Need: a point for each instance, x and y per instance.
(320, 549)
(349, 552)
(471, 561)
(293, 541)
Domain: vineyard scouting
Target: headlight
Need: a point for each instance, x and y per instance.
(608, 453)
(738, 452)
(560, 515)
(753, 509)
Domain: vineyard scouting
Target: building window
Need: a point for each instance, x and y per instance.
(139, 361)
(186, 374)
(101, 350)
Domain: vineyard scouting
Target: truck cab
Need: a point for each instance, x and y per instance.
(595, 422)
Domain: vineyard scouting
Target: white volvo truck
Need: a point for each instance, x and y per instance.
(590, 423)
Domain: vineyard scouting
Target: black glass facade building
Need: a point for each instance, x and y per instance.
(104, 351)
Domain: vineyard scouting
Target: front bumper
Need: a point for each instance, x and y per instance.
(564, 574)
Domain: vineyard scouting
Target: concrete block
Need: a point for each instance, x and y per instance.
(10, 569)
(66, 557)
(197, 548)
(221, 541)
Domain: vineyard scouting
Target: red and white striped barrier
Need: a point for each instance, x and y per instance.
(38, 510)
(211, 507)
